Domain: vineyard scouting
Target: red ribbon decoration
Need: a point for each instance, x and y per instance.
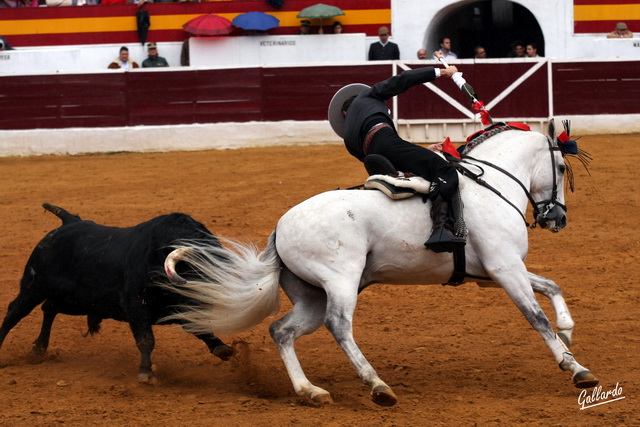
(449, 148)
(479, 108)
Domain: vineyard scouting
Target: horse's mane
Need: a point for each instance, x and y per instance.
(569, 149)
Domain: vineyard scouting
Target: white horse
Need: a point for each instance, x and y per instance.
(327, 249)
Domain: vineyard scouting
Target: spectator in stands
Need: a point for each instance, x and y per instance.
(337, 27)
(517, 50)
(305, 27)
(532, 50)
(123, 61)
(383, 49)
(422, 54)
(479, 52)
(154, 60)
(185, 61)
(18, 3)
(445, 50)
(621, 31)
(4, 45)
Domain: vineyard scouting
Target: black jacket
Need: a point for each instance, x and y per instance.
(372, 101)
(377, 52)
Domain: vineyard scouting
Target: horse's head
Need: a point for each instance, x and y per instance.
(548, 186)
(542, 165)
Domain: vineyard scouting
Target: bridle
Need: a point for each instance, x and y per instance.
(543, 210)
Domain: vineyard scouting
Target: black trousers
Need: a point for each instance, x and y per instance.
(408, 157)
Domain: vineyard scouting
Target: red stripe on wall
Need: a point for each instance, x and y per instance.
(602, 26)
(78, 38)
(600, 2)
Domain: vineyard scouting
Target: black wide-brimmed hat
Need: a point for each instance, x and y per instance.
(336, 119)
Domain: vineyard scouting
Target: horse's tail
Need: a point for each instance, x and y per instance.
(236, 286)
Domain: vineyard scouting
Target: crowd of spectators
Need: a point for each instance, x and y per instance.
(383, 49)
(153, 60)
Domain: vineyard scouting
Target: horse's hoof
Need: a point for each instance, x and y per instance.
(147, 378)
(585, 379)
(322, 399)
(223, 351)
(566, 338)
(383, 396)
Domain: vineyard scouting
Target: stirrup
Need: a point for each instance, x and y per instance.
(443, 240)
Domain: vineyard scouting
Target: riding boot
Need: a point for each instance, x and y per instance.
(443, 239)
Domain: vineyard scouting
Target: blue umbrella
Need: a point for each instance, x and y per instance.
(258, 21)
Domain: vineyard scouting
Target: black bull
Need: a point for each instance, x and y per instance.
(83, 268)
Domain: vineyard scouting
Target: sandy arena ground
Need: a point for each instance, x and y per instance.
(454, 356)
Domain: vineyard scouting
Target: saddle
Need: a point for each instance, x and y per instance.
(394, 184)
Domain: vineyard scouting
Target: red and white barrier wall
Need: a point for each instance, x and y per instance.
(193, 109)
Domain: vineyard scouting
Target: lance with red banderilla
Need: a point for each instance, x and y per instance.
(478, 106)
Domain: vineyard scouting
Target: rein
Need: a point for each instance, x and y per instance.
(546, 205)
(477, 178)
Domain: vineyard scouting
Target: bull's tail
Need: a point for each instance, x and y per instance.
(237, 289)
(65, 216)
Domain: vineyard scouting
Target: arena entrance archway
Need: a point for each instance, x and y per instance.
(495, 25)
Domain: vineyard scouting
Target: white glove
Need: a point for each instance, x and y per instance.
(458, 79)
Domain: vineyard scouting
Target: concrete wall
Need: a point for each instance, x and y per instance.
(257, 50)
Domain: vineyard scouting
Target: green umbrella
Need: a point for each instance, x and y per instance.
(319, 11)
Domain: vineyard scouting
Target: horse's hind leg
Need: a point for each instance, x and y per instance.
(551, 290)
(341, 303)
(306, 316)
(515, 282)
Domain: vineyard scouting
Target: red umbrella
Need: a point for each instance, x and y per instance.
(208, 25)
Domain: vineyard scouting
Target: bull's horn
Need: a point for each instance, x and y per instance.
(170, 262)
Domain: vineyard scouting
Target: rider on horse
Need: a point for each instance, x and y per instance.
(359, 115)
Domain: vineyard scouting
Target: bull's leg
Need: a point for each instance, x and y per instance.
(306, 316)
(41, 343)
(515, 281)
(216, 346)
(551, 290)
(18, 309)
(145, 341)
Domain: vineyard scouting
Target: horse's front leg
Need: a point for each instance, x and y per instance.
(551, 290)
(341, 303)
(515, 281)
